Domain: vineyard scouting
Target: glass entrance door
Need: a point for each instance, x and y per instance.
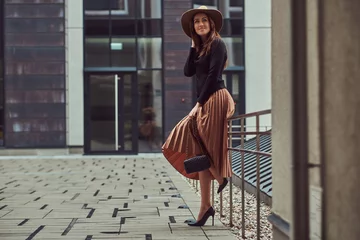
(111, 113)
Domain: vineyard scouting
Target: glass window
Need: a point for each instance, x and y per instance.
(33, 1)
(123, 27)
(115, 8)
(23, 54)
(149, 8)
(34, 25)
(149, 27)
(97, 53)
(39, 39)
(97, 27)
(208, 3)
(234, 45)
(149, 53)
(33, 68)
(150, 110)
(94, 7)
(34, 11)
(232, 27)
(122, 8)
(123, 52)
(232, 9)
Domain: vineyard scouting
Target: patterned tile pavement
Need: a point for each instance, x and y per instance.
(107, 197)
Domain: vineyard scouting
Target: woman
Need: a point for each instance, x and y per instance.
(207, 60)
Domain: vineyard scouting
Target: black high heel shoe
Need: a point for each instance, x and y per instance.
(223, 185)
(203, 220)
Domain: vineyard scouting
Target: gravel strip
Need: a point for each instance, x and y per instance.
(250, 212)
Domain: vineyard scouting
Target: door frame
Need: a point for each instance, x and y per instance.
(87, 129)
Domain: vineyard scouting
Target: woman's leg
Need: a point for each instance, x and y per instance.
(205, 183)
(216, 174)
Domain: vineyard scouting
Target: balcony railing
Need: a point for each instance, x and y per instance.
(240, 132)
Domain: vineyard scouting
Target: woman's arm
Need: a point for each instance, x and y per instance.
(217, 57)
(189, 68)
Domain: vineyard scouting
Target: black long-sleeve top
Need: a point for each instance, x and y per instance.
(208, 70)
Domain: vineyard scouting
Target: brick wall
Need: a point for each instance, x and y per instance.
(176, 49)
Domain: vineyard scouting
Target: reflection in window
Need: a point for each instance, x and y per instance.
(234, 45)
(231, 9)
(149, 8)
(150, 111)
(149, 27)
(149, 52)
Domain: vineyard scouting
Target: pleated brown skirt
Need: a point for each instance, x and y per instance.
(213, 129)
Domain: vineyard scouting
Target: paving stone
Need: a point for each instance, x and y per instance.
(90, 198)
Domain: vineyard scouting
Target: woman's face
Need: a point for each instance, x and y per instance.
(201, 24)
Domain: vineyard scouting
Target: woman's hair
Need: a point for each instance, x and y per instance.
(213, 34)
(206, 46)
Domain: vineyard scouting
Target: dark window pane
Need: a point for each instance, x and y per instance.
(96, 5)
(236, 2)
(116, 8)
(48, 139)
(123, 52)
(37, 96)
(149, 53)
(97, 27)
(34, 54)
(34, 25)
(33, 1)
(232, 27)
(35, 110)
(123, 27)
(235, 51)
(149, 8)
(97, 52)
(149, 27)
(150, 110)
(34, 11)
(29, 82)
(39, 39)
(34, 68)
(35, 125)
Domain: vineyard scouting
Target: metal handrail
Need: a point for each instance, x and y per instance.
(258, 153)
(252, 114)
(243, 133)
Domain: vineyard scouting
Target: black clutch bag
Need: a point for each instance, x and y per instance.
(197, 163)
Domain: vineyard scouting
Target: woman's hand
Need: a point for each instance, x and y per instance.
(194, 110)
(192, 43)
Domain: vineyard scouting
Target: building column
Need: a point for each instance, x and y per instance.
(340, 116)
(281, 118)
(74, 74)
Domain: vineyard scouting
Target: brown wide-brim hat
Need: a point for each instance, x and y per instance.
(188, 16)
